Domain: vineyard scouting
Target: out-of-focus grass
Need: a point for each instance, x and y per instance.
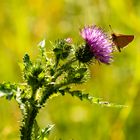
(24, 23)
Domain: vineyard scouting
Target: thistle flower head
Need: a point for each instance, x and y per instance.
(98, 43)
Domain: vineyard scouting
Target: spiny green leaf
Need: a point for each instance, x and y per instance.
(91, 99)
(27, 62)
(45, 132)
(108, 104)
(8, 90)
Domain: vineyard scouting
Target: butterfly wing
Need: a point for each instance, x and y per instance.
(121, 40)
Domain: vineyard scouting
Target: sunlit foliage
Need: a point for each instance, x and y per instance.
(24, 23)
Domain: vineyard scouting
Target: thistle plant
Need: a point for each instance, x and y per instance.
(55, 74)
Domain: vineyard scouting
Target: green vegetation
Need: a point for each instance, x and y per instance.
(24, 23)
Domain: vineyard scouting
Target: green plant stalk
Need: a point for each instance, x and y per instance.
(29, 114)
(32, 107)
(31, 110)
(41, 84)
(26, 129)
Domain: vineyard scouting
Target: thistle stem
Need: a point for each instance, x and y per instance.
(29, 114)
(28, 121)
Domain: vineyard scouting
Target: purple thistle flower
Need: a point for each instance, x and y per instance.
(98, 42)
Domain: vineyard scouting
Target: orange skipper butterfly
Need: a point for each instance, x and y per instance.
(120, 40)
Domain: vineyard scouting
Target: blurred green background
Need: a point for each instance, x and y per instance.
(24, 23)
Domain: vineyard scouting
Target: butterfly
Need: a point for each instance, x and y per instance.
(121, 40)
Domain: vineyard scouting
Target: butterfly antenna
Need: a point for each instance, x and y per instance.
(111, 28)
